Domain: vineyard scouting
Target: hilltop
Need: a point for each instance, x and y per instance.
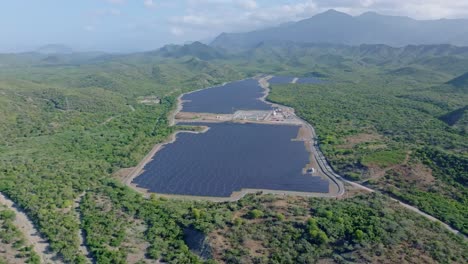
(340, 28)
(54, 49)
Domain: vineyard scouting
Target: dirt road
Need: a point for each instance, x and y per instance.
(76, 208)
(40, 245)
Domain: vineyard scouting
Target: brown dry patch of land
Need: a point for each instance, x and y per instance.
(123, 173)
(203, 117)
(255, 247)
(280, 203)
(10, 255)
(352, 191)
(134, 243)
(30, 233)
(403, 254)
(219, 244)
(304, 134)
(354, 140)
(287, 205)
(375, 172)
(415, 174)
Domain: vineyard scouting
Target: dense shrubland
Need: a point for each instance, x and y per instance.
(378, 133)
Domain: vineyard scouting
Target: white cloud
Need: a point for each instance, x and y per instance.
(284, 13)
(231, 18)
(176, 31)
(196, 21)
(206, 18)
(216, 4)
(247, 4)
(149, 3)
(419, 9)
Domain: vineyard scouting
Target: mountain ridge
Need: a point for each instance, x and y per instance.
(340, 28)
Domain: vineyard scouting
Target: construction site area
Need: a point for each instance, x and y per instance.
(276, 116)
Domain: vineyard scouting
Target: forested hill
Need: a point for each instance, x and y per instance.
(340, 28)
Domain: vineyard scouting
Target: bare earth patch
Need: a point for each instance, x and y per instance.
(376, 172)
(255, 247)
(353, 140)
(9, 254)
(416, 174)
(134, 243)
(219, 244)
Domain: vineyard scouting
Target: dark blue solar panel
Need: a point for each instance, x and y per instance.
(229, 157)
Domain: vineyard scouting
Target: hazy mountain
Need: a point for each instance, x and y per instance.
(195, 49)
(340, 28)
(54, 49)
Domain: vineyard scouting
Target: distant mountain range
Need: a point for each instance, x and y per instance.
(54, 49)
(195, 49)
(340, 28)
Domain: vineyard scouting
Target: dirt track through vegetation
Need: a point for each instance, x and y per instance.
(32, 236)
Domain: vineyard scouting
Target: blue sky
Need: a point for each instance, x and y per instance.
(136, 25)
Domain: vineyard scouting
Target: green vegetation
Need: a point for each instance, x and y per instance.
(68, 125)
(387, 133)
(64, 133)
(384, 158)
(11, 236)
(363, 229)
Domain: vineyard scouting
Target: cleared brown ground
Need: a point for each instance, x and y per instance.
(29, 231)
(415, 174)
(219, 244)
(8, 254)
(354, 140)
(376, 172)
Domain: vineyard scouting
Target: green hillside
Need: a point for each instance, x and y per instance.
(69, 124)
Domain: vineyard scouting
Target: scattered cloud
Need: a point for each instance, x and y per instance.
(149, 3)
(176, 31)
(207, 18)
(419, 9)
(247, 4)
(230, 18)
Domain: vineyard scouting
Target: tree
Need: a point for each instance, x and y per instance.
(255, 213)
